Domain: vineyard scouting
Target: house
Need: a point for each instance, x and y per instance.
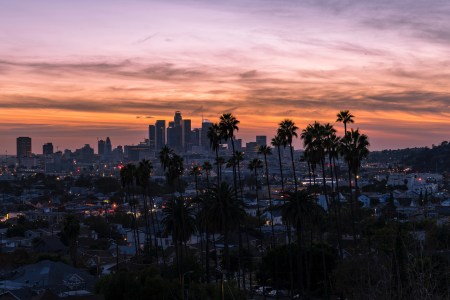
(46, 274)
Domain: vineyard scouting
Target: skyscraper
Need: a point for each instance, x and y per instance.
(186, 135)
(175, 132)
(177, 118)
(204, 134)
(160, 134)
(47, 149)
(101, 148)
(23, 148)
(108, 148)
(152, 137)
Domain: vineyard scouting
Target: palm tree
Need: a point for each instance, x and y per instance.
(195, 171)
(253, 166)
(207, 167)
(295, 210)
(345, 117)
(354, 148)
(165, 154)
(267, 150)
(142, 177)
(224, 212)
(228, 125)
(127, 175)
(220, 161)
(178, 220)
(331, 143)
(313, 137)
(287, 131)
(278, 141)
(239, 157)
(215, 136)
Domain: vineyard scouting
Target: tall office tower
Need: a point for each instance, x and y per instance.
(261, 140)
(195, 137)
(101, 148)
(47, 149)
(108, 148)
(204, 134)
(160, 134)
(171, 135)
(23, 148)
(177, 118)
(186, 135)
(152, 137)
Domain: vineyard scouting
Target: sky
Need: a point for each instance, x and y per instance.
(75, 71)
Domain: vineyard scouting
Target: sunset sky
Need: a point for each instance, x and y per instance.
(72, 71)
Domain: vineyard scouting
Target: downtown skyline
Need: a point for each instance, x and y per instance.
(71, 72)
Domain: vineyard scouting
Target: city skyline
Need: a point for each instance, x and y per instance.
(72, 72)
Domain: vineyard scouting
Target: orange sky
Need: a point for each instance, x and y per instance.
(72, 72)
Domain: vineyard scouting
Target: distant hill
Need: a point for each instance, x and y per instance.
(434, 159)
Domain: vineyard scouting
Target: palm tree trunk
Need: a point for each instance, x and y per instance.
(293, 167)
(258, 212)
(335, 208)
(270, 201)
(207, 253)
(281, 169)
(324, 182)
(352, 208)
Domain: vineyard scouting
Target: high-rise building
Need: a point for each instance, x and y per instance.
(177, 118)
(204, 134)
(261, 140)
(160, 134)
(186, 135)
(47, 149)
(195, 137)
(108, 148)
(175, 132)
(23, 148)
(152, 137)
(101, 148)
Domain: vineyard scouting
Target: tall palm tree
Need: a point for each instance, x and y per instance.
(207, 167)
(295, 210)
(165, 154)
(354, 148)
(253, 166)
(224, 212)
(142, 177)
(344, 116)
(239, 157)
(179, 221)
(313, 137)
(288, 130)
(127, 175)
(267, 150)
(195, 171)
(228, 125)
(331, 143)
(215, 136)
(278, 141)
(220, 161)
